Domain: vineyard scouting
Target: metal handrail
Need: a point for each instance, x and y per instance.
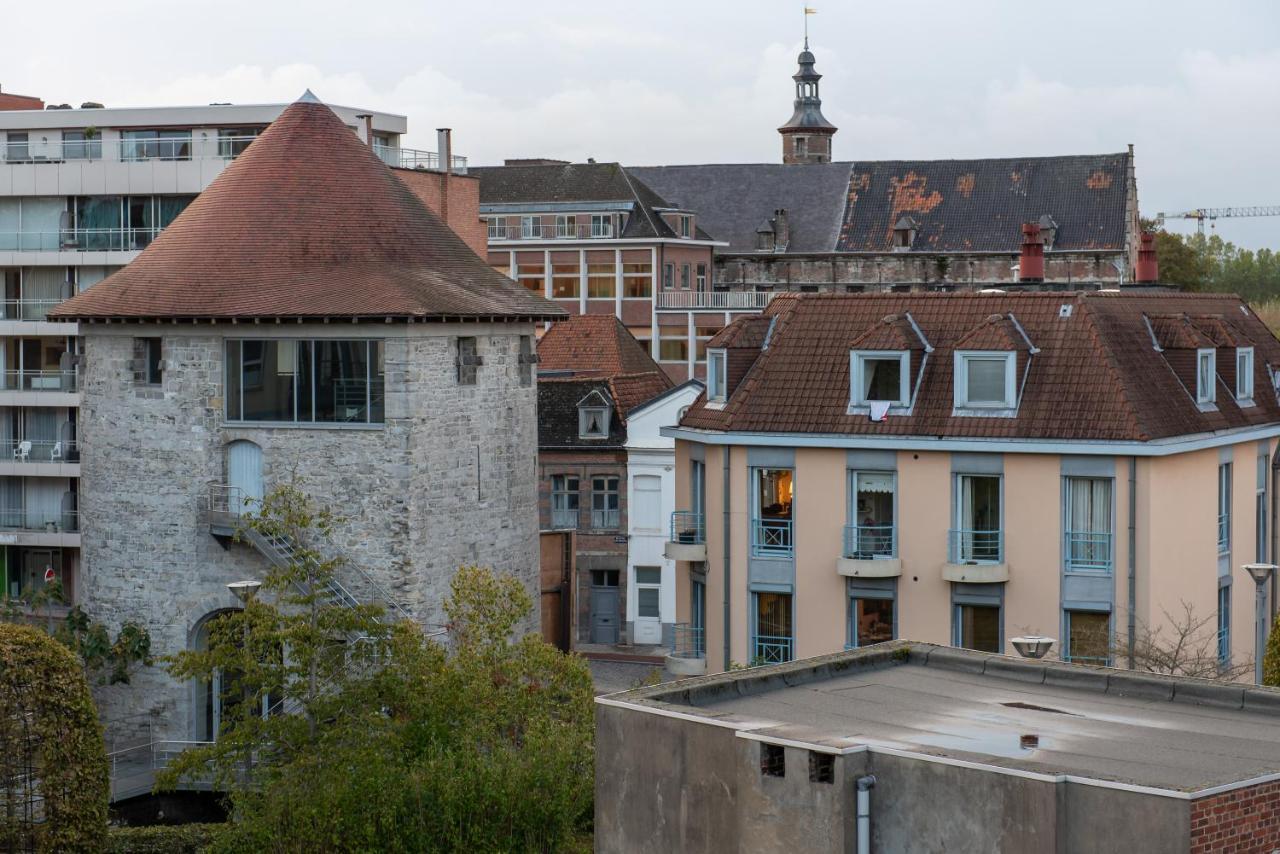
(413, 158)
(687, 528)
(552, 231)
(80, 239)
(25, 519)
(1088, 551)
(729, 300)
(868, 542)
(126, 150)
(771, 537)
(44, 380)
(27, 309)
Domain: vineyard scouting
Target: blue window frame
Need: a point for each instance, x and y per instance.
(1224, 625)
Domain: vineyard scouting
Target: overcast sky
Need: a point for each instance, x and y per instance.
(1194, 86)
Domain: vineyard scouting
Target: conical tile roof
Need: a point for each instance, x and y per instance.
(307, 223)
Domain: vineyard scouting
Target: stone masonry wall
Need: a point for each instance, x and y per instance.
(449, 479)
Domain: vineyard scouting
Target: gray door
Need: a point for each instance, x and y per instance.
(604, 614)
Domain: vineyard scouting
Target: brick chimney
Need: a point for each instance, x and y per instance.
(1148, 270)
(1031, 264)
(781, 230)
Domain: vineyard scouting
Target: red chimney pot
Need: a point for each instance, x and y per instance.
(1148, 266)
(1031, 264)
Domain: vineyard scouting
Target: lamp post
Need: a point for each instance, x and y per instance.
(1261, 574)
(1032, 646)
(245, 591)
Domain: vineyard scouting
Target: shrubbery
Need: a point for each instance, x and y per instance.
(162, 839)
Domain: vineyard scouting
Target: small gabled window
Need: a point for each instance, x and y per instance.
(468, 360)
(985, 380)
(717, 376)
(1244, 375)
(880, 375)
(1206, 376)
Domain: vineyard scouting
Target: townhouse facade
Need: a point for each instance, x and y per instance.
(965, 468)
(307, 320)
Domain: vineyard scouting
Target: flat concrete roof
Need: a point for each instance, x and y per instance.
(1091, 723)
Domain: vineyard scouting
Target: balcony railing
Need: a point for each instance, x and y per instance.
(27, 309)
(55, 380)
(688, 641)
(771, 649)
(975, 546)
(551, 231)
(124, 150)
(687, 528)
(79, 240)
(38, 451)
(870, 542)
(564, 518)
(771, 538)
(412, 158)
(718, 300)
(53, 521)
(605, 519)
(1088, 551)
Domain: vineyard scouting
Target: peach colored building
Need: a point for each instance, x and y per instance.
(965, 468)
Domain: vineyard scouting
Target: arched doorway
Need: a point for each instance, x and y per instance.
(208, 696)
(244, 476)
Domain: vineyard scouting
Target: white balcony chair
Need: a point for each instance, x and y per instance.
(56, 454)
(22, 453)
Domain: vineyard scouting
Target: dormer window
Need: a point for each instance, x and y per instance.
(985, 380)
(686, 226)
(593, 417)
(1206, 376)
(717, 376)
(1244, 376)
(880, 376)
(904, 233)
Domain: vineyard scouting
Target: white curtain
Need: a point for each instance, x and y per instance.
(44, 501)
(10, 502)
(1089, 503)
(41, 289)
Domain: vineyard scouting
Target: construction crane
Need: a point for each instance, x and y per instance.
(1210, 214)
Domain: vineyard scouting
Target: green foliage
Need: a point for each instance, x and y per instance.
(1200, 263)
(1271, 658)
(162, 839)
(50, 748)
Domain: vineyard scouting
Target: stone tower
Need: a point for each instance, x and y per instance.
(806, 137)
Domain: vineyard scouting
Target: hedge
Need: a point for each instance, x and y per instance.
(162, 839)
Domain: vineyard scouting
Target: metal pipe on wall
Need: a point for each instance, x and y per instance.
(865, 785)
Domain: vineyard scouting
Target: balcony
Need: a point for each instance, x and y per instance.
(412, 158)
(552, 231)
(771, 649)
(975, 556)
(688, 537)
(688, 656)
(35, 526)
(27, 309)
(870, 551)
(36, 451)
(79, 240)
(123, 150)
(771, 538)
(52, 380)
(713, 300)
(562, 520)
(1088, 551)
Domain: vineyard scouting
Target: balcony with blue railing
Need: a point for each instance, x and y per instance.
(1088, 551)
(870, 551)
(975, 556)
(771, 649)
(772, 537)
(688, 537)
(688, 656)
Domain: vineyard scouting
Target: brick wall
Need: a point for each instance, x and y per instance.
(20, 102)
(1239, 821)
(462, 213)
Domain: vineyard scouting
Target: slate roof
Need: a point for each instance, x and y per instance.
(577, 182)
(558, 401)
(593, 343)
(958, 205)
(307, 223)
(1095, 373)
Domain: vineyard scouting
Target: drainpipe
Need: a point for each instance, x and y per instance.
(724, 539)
(1133, 557)
(865, 785)
(1275, 535)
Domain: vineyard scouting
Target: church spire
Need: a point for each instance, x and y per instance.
(806, 137)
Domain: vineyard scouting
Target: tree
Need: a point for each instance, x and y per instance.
(1271, 657)
(53, 765)
(1184, 645)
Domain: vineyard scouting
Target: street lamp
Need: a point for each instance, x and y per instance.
(245, 591)
(1032, 646)
(1261, 574)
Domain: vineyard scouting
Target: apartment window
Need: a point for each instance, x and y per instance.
(822, 767)
(717, 375)
(1224, 508)
(291, 380)
(977, 536)
(149, 365)
(601, 225)
(702, 277)
(1224, 624)
(978, 627)
(533, 277)
(773, 760)
(772, 640)
(527, 359)
(673, 344)
(637, 280)
(698, 615)
(155, 144)
(78, 145)
(984, 380)
(564, 501)
(1088, 637)
(17, 147)
(1087, 505)
(871, 533)
(530, 227)
(772, 504)
(1206, 375)
(600, 281)
(686, 226)
(564, 281)
(880, 376)
(232, 142)
(1244, 375)
(566, 225)
(605, 513)
(668, 276)
(468, 360)
(497, 228)
(648, 592)
(684, 277)
(870, 615)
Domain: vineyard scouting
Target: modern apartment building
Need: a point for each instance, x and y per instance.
(82, 193)
(965, 468)
(306, 320)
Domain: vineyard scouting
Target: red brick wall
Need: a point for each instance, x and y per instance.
(19, 102)
(463, 196)
(1239, 821)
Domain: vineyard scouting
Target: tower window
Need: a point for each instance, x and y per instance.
(801, 145)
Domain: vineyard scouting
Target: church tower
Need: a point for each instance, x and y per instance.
(806, 137)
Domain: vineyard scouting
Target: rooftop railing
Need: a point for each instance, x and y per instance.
(551, 231)
(870, 542)
(726, 300)
(413, 158)
(79, 240)
(687, 528)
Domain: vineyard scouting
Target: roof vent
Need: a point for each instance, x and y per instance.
(1065, 309)
(991, 291)
(1108, 290)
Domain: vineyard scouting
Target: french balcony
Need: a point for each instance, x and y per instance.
(1088, 552)
(688, 656)
(870, 551)
(975, 556)
(79, 240)
(688, 537)
(562, 519)
(772, 537)
(552, 231)
(413, 158)
(713, 300)
(771, 649)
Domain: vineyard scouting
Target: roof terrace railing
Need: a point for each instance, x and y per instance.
(413, 158)
(715, 300)
(552, 231)
(131, 150)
